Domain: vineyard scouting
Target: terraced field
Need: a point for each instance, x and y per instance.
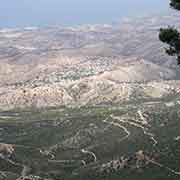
(130, 141)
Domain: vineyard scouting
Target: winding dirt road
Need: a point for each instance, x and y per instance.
(90, 153)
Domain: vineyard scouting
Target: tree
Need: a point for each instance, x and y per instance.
(171, 36)
(175, 4)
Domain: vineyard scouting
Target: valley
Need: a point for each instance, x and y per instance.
(97, 102)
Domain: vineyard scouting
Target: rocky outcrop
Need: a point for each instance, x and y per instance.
(6, 150)
(92, 91)
(137, 161)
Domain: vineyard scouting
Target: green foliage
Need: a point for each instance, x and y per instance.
(171, 36)
(175, 4)
(65, 131)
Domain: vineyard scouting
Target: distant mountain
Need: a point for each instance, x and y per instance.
(33, 59)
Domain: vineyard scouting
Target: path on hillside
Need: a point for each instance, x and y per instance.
(142, 123)
(120, 126)
(90, 153)
(163, 166)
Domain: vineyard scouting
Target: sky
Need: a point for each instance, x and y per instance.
(21, 13)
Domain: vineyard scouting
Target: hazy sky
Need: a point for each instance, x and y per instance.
(14, 13)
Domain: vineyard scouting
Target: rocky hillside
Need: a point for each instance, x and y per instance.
(85, 65)
(54, 85)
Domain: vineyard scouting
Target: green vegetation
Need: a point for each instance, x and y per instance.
(175, 4)
(171, 36)
(63, 132)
